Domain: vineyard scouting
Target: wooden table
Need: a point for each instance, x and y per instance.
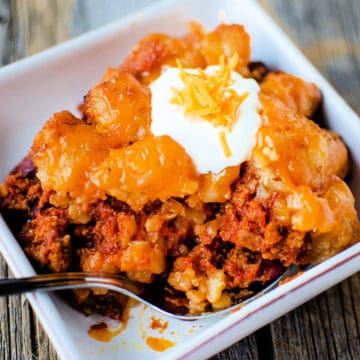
(328, 32)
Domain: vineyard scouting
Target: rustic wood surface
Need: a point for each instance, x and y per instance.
(328, 32)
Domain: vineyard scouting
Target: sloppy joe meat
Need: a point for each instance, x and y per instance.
(102, 193)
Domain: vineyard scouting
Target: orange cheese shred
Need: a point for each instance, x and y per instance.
(209, 96)
(224, 144)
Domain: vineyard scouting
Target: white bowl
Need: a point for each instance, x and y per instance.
(33, 89)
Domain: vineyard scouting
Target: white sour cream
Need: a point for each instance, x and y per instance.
(199, 137)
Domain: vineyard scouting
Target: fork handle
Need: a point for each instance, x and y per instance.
(72, 280)
(44, 282)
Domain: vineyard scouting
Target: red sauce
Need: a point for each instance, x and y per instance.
(159, 344)
(101, 331)
(157, 324)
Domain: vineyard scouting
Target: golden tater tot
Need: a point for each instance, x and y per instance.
(156, 50)
(119, 107)
(295, 93)
(227, 40)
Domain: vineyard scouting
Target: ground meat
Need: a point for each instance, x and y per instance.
(242, 268)
(249, 223)
(106, 196)
(113, 229)
(46, 240)
(107, 303)
(19, 193)
(164, 236)
(208, 260)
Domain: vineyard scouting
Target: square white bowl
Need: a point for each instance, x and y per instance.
(33, 89)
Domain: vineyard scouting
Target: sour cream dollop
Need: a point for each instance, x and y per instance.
(198, 136)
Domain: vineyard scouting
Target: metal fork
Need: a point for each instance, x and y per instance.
(143, 293)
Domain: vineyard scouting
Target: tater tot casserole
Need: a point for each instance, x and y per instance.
(191, 165)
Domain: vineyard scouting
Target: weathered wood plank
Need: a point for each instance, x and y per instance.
(4, 316)
(92, 15)
(43, 23)
(246, 349)
(327, 31)
(324, 328)
(333, 46)
(43, 349)
(12, 46)
(15, 325)
(20, 321)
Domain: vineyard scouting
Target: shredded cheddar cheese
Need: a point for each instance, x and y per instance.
(224, 144)
(209, 96)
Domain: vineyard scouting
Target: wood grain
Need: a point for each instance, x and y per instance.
(328, 32)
